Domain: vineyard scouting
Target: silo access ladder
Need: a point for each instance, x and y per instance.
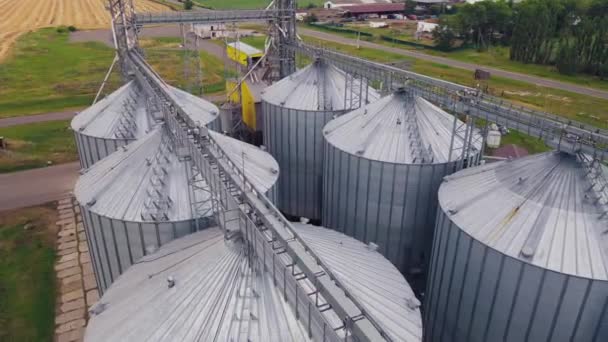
(319, 300)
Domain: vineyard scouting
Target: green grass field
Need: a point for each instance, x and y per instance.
(164, 56)
(32, 145)
(48, 73)
(27, 278)
(495, 57)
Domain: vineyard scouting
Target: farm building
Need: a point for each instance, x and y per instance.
(375, 9)
(244, 54)
(346, 3)
(212, 31)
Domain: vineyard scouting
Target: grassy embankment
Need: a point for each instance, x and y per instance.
(495, 57)
(27, 278)
(32, 145)
(48, 73)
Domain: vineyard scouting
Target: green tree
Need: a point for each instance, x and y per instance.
(410, 7)
(188, 5)
(444, 36)
(311, 18)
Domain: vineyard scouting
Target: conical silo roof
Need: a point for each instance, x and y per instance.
(216, 296)
(124, 184)
(547, 210)
(123, 114)
(120, 115)
(399, 128)
(310, 87)
(261, 168)
(369, 277)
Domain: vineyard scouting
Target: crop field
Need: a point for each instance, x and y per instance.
(20, 16)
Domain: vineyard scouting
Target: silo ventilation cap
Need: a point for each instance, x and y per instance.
(372, 246)
(304, 220)
(412, 303)
(170, 281)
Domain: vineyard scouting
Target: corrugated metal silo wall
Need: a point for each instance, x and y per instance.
(115, 245)
(92, 149)
(295, 140)
(392, 205)
(476, 294)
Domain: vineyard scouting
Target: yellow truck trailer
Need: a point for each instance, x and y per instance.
(243, 53)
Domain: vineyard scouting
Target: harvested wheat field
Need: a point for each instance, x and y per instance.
(20, 16)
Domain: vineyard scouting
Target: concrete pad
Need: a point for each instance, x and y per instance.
(85, 257)
(65, 265)
(73, 305)
(66, 251)
(67, 238)
(83, 247)
(87, 268)
(68, 257)
(64, 222)
(70, 336)
(70, 316)
(68, 272)
(92, 297)
(67, 231)
(69, 326)
(66, 245)
(71, 286)
(90, 282)
(73, 295)
(76, 278)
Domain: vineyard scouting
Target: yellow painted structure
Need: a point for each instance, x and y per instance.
(243, 53)
(247, 102)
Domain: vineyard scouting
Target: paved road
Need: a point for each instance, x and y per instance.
(22, 120)
(38, 186)
(462, 65)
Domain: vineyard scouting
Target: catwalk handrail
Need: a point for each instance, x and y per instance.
(201, 17)
(364, 327)
(589, 139)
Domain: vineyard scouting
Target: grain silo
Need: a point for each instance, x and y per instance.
(521, 253)
(126, 115)
(145, 195)
(383, 165)
(295, 111)
(202, 288)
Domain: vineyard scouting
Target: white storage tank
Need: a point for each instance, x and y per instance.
(383, 166)
(202, 288)
(144, 195)
(493, 137)
(521, 253)
(295, 111)
(126, 115)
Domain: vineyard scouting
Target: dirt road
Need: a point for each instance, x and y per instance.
(22, 120)
(461, 65)
(38, 186)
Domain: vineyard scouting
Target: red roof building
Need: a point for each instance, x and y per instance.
(379, 9)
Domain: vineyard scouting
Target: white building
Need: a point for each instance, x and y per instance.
(210, 31)
(346, 3)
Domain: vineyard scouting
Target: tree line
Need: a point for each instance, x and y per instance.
(570, 34)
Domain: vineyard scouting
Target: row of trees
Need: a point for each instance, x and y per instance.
(571, 34)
